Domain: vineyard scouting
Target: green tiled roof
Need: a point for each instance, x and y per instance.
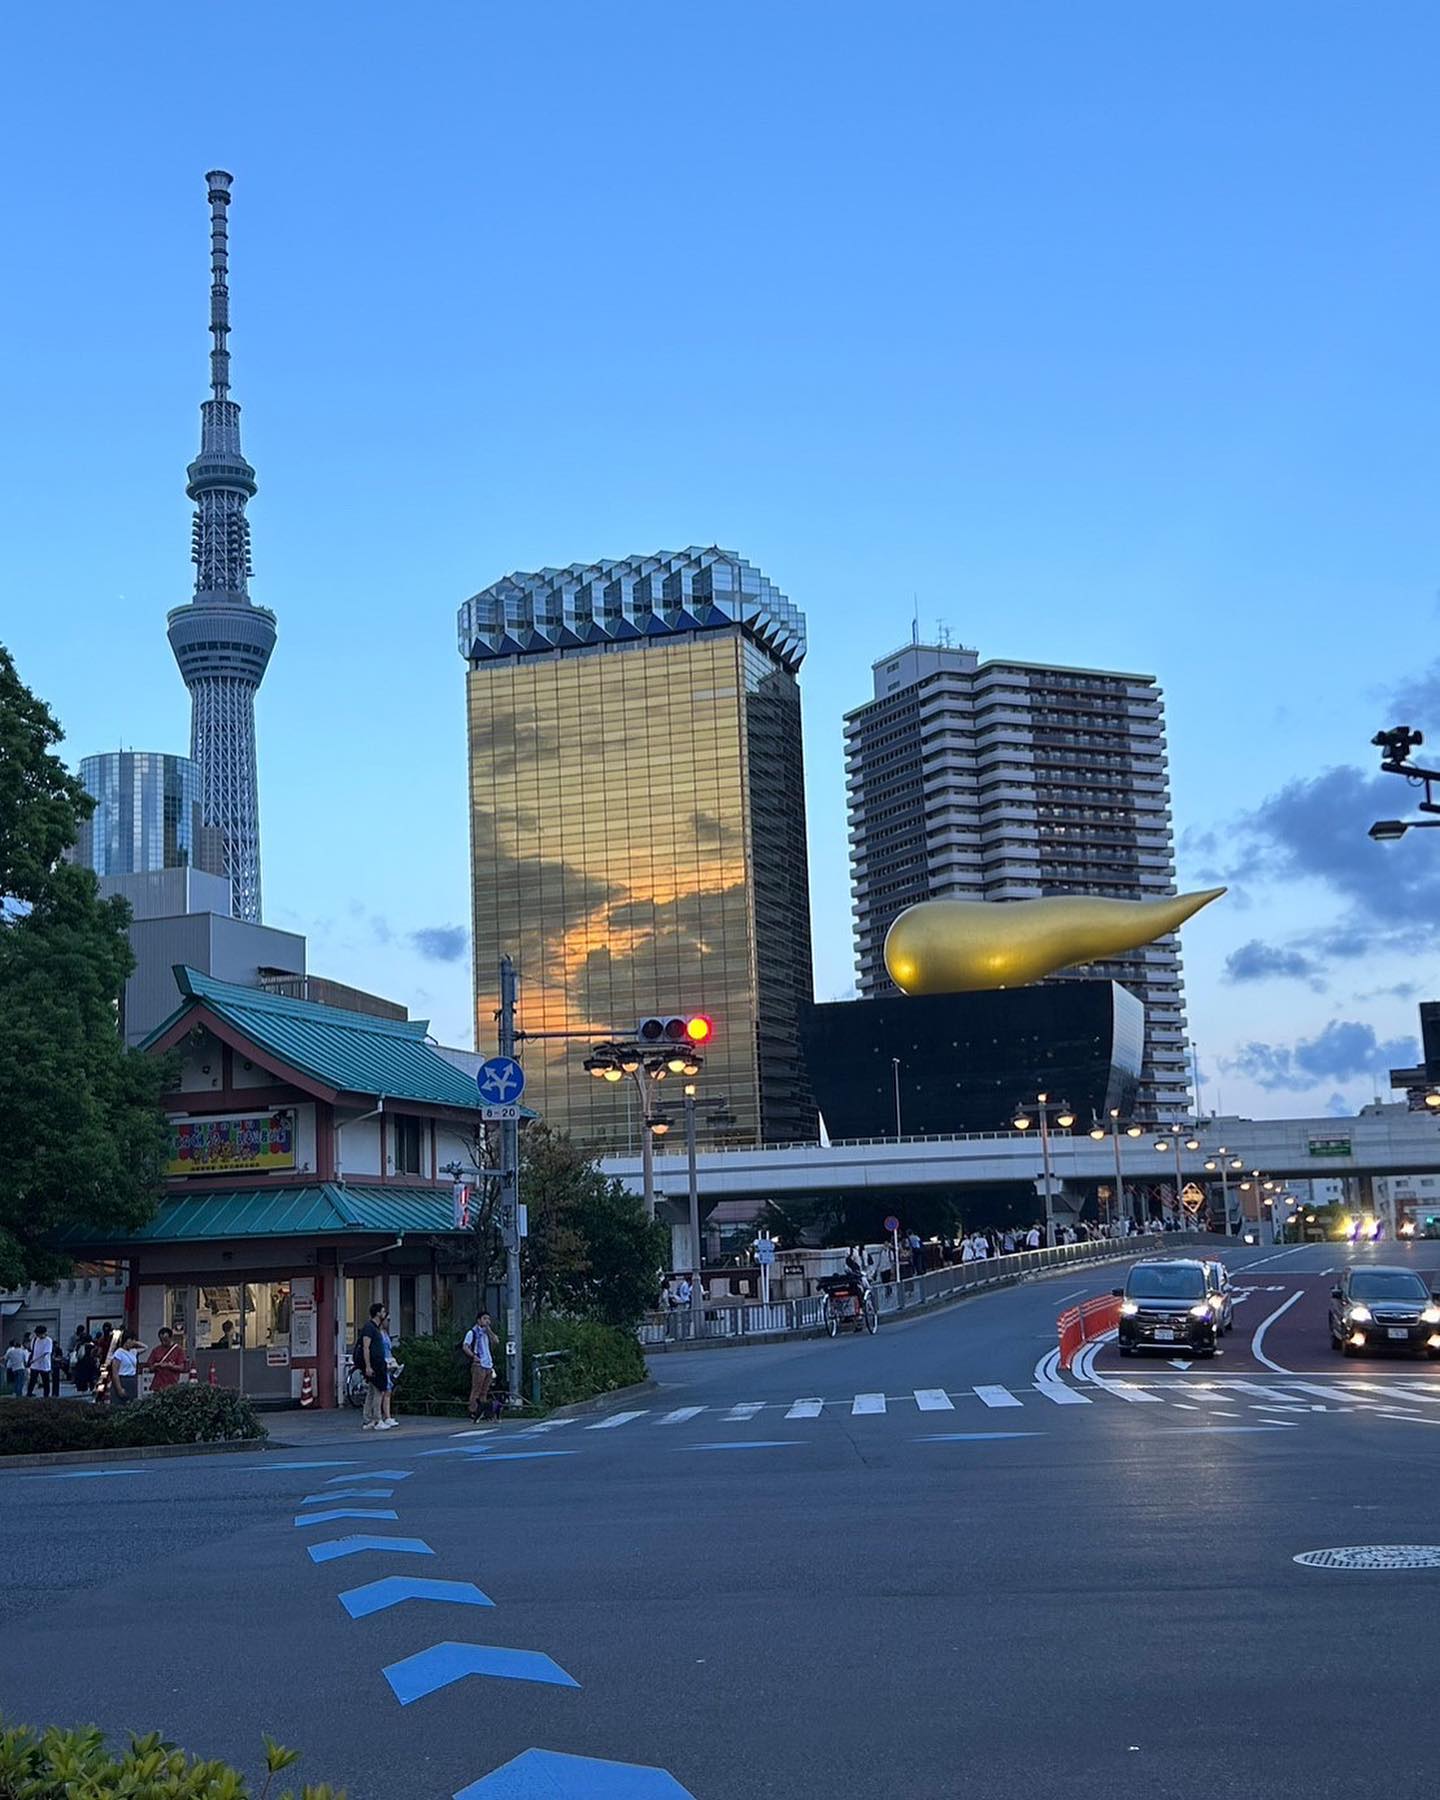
(356, 1052)
(316, 1210)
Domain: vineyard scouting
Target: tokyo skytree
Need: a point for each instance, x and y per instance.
(221, 639)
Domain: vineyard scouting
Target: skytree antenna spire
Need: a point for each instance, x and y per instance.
(221, 640)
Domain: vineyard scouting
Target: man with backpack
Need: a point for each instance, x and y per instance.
(369, 1359)
(479, 1346)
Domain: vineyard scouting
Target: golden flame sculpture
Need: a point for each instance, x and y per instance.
(962, 946)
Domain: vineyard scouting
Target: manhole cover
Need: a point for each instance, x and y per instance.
(1374, 1556)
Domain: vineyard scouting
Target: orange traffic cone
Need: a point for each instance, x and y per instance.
(307, 1389)
(213, 1381)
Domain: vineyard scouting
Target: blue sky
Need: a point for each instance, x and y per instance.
(1106, 332)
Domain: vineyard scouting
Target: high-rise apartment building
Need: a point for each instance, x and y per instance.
(638, 828)
(221, 639)
(147, 814)
(1007, 780)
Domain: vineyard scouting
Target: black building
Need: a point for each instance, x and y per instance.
(965, 1061)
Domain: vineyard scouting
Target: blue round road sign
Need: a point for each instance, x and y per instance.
(892, 1223)
(501, 1081)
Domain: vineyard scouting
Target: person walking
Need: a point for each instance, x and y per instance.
(480, 1346)
(15, 1369)
(84, 1368)
(125, 1369)
(388, 1421)
(166, 1362)
(370, 1361)
(42, 1363)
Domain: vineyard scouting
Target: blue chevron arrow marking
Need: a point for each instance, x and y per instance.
(369, 1474)
(375, 1596)
(335, 1462)
(349, 1494)
(334, 1548)
(495, 1456)
(346, 1512)
(547, 1775)
(442, 1664)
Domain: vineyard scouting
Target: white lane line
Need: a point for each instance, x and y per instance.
(806, 1409)
(680, 1415)
(933, 1400)
(1048, 1367)
(1064, 1297)
(1260, 1261)
(1257, 1342)
(996, 1396)
(1127, 1390)
(1185, 1405)
(1265, 1393)
(747, 1409)
(1062, 1395)
(868, 1403)
(1408, 1418)
(620, 1418)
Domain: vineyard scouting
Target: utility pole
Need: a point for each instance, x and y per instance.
(697, 1286)
(510, 1195)
(895, 1067)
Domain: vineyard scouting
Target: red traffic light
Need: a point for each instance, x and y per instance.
(699, 1028)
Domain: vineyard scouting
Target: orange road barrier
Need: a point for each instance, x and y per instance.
(307, 1389)
(1081, 1325)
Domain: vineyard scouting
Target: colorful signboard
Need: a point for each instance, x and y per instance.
(231, 1143)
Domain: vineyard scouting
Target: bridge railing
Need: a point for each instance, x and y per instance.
(729, 1321)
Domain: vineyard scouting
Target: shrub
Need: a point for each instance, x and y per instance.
(436, 1379)
(600, 1359)
(64, 1765)
(189, 1414)
(179, 1415)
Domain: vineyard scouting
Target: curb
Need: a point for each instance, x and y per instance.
(140, 1453)
(598, 1402)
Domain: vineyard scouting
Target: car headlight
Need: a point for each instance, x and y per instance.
(1431, 1315)
(1359, 1315)
(1201, 1311)
(1128, 1309)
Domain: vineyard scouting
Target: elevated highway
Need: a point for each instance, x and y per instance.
(1289, 1149)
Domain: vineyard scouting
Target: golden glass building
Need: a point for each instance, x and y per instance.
(637, 829)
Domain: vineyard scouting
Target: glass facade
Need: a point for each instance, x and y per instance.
(638, 845)
(147, 813)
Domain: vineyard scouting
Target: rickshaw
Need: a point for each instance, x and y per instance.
(849, 1304)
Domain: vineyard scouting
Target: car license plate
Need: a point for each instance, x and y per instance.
(1164, 1337)
(1397, 1331)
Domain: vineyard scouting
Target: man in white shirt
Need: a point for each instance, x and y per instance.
(479, 1346)
(42, 1364)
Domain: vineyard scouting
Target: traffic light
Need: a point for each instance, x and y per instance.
(675, 1028)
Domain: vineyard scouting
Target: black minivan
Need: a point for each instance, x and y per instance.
(1170, 1305)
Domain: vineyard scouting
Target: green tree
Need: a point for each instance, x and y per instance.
(591, 1252)
(80, 1119)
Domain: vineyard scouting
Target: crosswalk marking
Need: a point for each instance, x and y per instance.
(805, 1409)
(868, 1403)
(544, 1425)
(620, 1418)
(1265, 1393)
(1393, 1393)
(996, 1396)
(1127, 1390)
(933, 1400)
(746, 1410)
(1062, 1395)
(680, 1415)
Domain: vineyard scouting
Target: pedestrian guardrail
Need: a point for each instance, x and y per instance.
(723, 1322)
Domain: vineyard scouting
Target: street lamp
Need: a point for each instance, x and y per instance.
(660, 1124)
(640, 1060)
(1432, 1099)
(1396, 748)
(895, 1071)
(1099, 1134)
(1162, 1145)
(1064, 1117)
(1221, 1162)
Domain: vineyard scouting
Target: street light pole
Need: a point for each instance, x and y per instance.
(697, 1289)
(1045, 1161)
(895, 1068)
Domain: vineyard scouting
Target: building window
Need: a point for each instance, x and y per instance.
(406, 1135)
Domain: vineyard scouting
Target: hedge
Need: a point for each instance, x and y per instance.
(599, 1359)
(180, 1415)
(77, 1765)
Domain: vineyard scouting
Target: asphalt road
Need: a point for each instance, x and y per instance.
(919, 1561)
